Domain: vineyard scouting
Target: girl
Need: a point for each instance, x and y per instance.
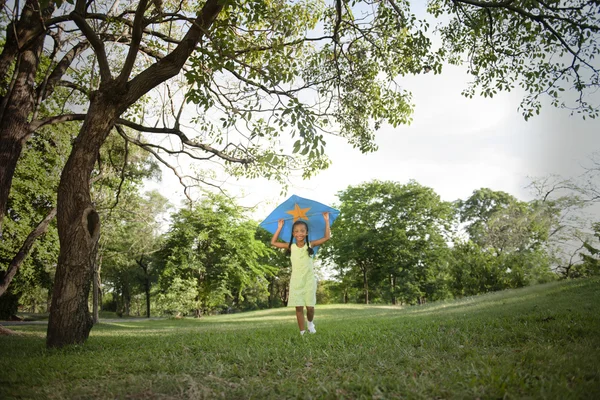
(303, 283)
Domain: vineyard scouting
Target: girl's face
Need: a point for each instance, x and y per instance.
(299, 232)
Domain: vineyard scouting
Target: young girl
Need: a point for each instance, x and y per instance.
(303, 283)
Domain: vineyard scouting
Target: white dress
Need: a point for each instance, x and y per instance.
(303, 283)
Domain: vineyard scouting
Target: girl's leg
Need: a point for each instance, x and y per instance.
(310, 313)
(300, 317)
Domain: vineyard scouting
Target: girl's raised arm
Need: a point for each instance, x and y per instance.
(325, 238)
(274, 241)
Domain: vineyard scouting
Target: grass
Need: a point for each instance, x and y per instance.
(541, 342)
(44, 317)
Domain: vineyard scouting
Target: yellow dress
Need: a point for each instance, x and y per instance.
(303, 283)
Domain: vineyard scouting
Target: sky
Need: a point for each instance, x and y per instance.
(454, 145)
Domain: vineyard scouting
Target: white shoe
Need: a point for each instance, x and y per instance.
(302, 333)
(311, 327)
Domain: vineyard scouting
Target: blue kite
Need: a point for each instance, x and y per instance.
(296, 208)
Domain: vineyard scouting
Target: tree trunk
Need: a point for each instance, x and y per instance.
(126, 295)
(18, 259)
(127, 305)
(147, 287)
(14, 123)
(7, 332)
(285, 294)
(96, 292)
(95, 312)
(70, 321)
(147, 283)
(393, 288)
(365, 284)
(271, 286)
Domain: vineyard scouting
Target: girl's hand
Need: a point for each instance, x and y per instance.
(326, 216)
(280, 223)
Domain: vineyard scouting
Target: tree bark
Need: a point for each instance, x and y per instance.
(26, 29)
(14, 123)
(147, 287)
(271, 294)
(95, 312)
(365, 284)
(7, 332)
(16, 262)
(96, 292)
(285, 292)
(147, 284)
(126, 301)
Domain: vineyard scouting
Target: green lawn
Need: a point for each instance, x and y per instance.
(541, 342)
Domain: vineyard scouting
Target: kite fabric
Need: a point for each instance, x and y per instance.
(298, 208)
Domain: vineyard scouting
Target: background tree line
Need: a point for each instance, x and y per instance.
(393, 243)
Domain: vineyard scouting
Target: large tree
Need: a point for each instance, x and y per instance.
(248, 65)
(506, 243)
(213, 251)
(477, 211)
(130, 240)
(392, 236)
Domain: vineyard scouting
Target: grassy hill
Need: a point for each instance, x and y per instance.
(540, 342)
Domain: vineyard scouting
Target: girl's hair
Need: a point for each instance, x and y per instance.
(288, 252)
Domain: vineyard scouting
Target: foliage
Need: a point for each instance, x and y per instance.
(591, 260)
(131, 237)
(259, 47)
(211, 256)
(275, 89)
(564, 207)
(536, 342)
(279, 278)
(279, 76)
(326, 293)
(9, 304)
(478, 209)
(548, 48)
(393, 236)
(519, 227)
(475, 270)
(33, 196)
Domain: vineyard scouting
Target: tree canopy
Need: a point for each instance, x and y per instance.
(392, 234)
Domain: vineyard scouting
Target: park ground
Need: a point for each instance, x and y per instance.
(539, 342)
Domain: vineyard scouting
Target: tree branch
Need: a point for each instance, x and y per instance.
(136, 38)
(35, 125)
(78, 17)
(184, 139)
(162, 160)
(171, 64)
(60, 69)
(125, 159)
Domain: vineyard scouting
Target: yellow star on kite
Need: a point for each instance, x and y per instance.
(298, 212)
